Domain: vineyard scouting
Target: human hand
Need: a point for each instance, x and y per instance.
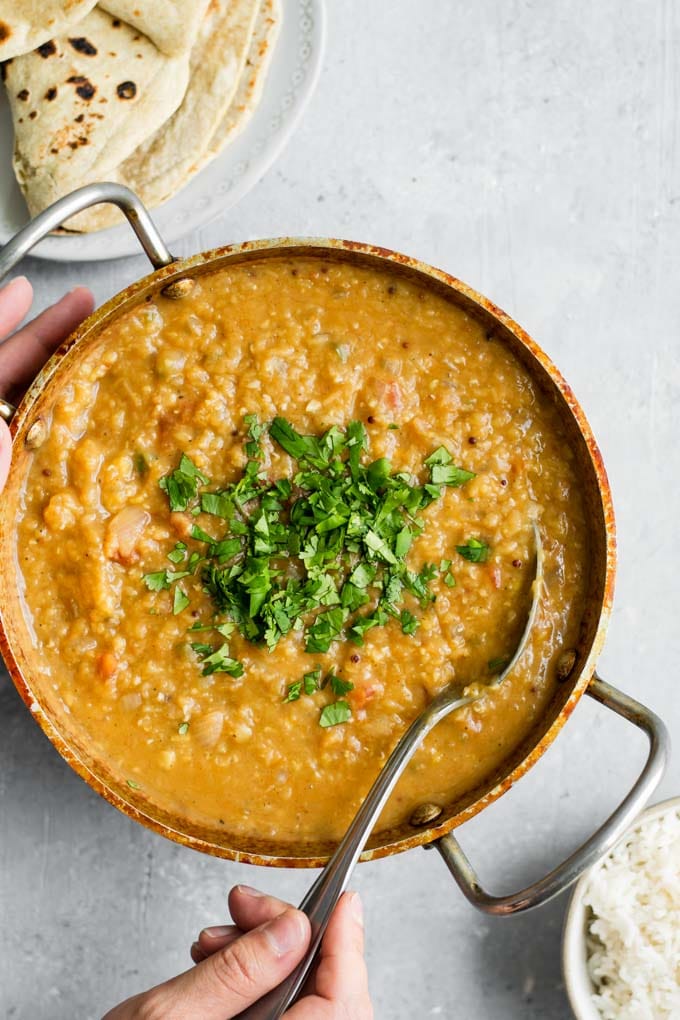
(23, 354)
(237, 964)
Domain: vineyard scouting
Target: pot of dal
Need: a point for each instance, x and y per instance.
(268, 501)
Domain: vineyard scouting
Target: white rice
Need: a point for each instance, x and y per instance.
(633, 936)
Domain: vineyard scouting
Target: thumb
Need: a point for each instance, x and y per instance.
(5, 452)
(240, 974)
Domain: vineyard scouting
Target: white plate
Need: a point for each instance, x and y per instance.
(289, 85)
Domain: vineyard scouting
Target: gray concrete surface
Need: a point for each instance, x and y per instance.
(533, 150)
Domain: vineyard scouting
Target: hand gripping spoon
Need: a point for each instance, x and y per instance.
(321, 899)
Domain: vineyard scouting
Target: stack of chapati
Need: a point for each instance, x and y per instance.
(142, 92)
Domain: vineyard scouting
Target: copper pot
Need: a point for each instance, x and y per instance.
(432, 825)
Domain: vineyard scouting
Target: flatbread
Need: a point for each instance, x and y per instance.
(25, 24)
(81, 111)
(171, 24)
(249, 92)
(163, 164)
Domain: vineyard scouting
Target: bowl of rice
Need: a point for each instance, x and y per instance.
(621, 944)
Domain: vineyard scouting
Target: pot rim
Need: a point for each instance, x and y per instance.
(205, 261)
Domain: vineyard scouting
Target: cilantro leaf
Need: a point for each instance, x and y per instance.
(198, 533)
(219, 504)
(325, 629)
(474, 550)
(338, 685)
(176, 555)
(298, 446)
(334, 714)
(449, 474)
(440, 456)
(409, 623)
(310, 681)
(221, 662)
(181, 485)
(294, 691)
(180, 600)
(156, 581)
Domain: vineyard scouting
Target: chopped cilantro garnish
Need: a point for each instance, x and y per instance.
(181, 485)
(179, 601)
(217, 503)
(409, 623)
(362, 575)
(310, 684)
(141, 464)
(326, 627)
(220, 662)
(474, 550)
(157, 581)
(392, 427)
(294, 691)
(364, 623)
(497, 665)
(133, 784)
(440, 456)
(449, 579)
(444, 472)
(176, 555)
(183, 728)
(338, 685)
(201, 648)
(335, 713)
(303, 448)
(200, 535)
(449, 474)
(310, 681)
(307, 552)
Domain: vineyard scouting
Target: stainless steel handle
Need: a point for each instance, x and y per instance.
(60, 211)
(92, 194)
(561, 877)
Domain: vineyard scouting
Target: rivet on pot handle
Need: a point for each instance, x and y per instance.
(7, 410)
(599, 843)
(91, 194)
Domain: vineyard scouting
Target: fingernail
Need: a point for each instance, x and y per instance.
(218, 931)
(196, 951)
(14, 280)
(357, 908)
(285, 933)
(248, 890)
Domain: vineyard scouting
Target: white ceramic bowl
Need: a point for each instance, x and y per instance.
(578, 984)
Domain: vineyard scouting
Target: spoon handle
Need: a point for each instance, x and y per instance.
(320, 901)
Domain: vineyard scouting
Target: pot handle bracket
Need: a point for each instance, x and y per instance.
(82, 198)
(599, 844)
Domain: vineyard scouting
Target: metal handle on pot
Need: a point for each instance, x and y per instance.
(561, 877)
(62, 210)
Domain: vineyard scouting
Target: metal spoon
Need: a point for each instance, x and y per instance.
(323, 896)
